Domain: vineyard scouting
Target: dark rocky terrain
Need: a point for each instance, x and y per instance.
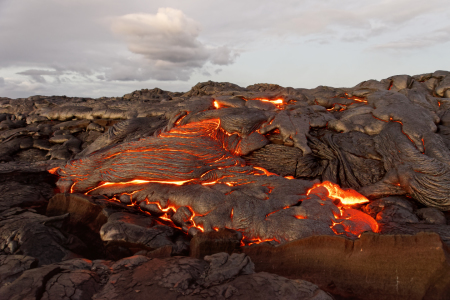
(218, 192)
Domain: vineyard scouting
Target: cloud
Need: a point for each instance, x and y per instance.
(110, 47)
(2, 81)
(168, 40)
(223, 56)
(351, 20)
(419, 41)
(38, 75)
(206, 73)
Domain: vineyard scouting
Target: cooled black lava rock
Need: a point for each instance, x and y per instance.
(388, 139)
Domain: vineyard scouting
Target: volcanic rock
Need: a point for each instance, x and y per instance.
(14, 194)
(28, 233)
(73, 278)
(160, 168)
(392, 209)
(72, 126)
(373, 267)
(125, 131)
(278, 159)
(82, 210)
(431, 216)
(137, 232)
(213, 88)
(31, 155)
(30, 285)
(208, 243)
(60, 139)
(95, 126)
(12, 266)
(188, 278)
(138, 277)
(42, 144)
(34, 173)
(59, 152)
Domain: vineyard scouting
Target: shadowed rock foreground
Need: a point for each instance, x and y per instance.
(184, 195)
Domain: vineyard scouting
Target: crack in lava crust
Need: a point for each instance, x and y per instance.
(193, 176)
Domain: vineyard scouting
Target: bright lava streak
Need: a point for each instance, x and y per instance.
(347, 197)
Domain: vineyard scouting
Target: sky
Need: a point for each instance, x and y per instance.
(95, 48)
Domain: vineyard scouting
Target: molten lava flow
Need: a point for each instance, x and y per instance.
(137, 181)
(54, 170)
(357, 99)
(347, 197)
(196, 152)
(349, 220)
(360, 221)
(265, 172)
(279, 103)
(193, 178)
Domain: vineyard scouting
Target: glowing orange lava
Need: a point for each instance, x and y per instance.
(138, 181)
(195, 153)
(54, 170)
(348, 220)
(347, 197)
(257, 240)
(359, 222)
(279, 103)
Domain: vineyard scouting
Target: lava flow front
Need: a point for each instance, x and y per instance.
(193, 176)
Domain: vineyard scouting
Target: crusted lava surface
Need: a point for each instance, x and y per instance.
(144, 173)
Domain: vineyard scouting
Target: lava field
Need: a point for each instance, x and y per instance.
(226, 192)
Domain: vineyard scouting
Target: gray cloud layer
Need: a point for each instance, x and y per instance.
(98, 46)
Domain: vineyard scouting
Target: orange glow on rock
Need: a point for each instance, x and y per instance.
(216, 104)
(360, 221)
(347, 197)
(53, 171)
(267, 173)
(203, 142)
(350, 220)
(358, 99)
(257, 240)
(279, 103)
(179, 120)
(138, 181)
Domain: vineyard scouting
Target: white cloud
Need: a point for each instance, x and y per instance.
(168, 40)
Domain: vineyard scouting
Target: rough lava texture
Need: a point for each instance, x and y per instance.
(219, 276)
(106, 198)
